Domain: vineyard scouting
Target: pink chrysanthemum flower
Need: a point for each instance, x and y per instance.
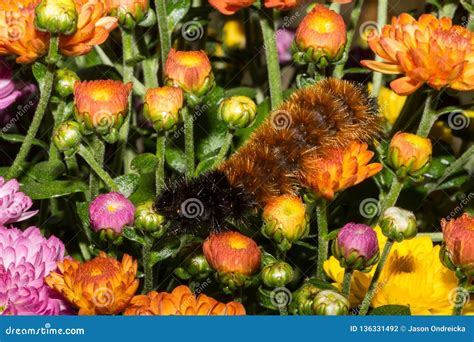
(112, 211)
(14, 204)
(26, 257)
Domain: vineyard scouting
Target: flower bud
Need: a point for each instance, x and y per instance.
(110, 213)
(163, 106)
(303, 299)
(356, 247)
(101, 106)
(67, 136)
(190, 70)
(320, 37)
(285, 220)
(409, 154)
(398, 224)
(149, 220)
(330, 303)
(198, 267)
(278, 274)
(234, 256)
(458, 250)
(129, 12)
(64, 81)
(238, 111)
(56, 16)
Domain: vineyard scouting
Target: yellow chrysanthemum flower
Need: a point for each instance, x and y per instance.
(412, 276)
(391, 104)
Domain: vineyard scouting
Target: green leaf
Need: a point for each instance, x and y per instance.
(468, 5)
(176, 10)
(127, 184)
(241, 91)
(205, 165)
(39, 72)
(210, 145)
(82, 209)
(18, 138)
(323, 285)
(176, 159)
(391, 310)
(171, 247)
(56, 188)
(146, 189)
(46, 171)
(131, 234)
(144, 163)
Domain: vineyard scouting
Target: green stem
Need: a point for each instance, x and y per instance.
(16, 168)
(271, 54)
(377, 78)
(355, 14)
(346, 284)
(321, 214)
(99, 171)
(128, 51)
(429, 116)
(147, 268)
(391, 198)
(224, 149)
(364, 308)
(460, 297)
(160, 165)
(189, 141)
(150, 72)
(58, 120)
(163, 30)
(71, 164)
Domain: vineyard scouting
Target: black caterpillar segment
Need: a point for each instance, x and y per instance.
(202, 204)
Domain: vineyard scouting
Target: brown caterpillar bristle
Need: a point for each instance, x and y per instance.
(332, 113)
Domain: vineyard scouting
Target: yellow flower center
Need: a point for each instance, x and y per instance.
(190, 60)
(322, 24)
(112, 208)
(237, 242)
(101, 94)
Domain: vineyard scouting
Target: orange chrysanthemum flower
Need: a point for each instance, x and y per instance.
(232, 252)
(341, 169)
(229, 7)
(190, 70)
(458, 238)
(181, 301)
(281, 5)
(102, 286)
(101, 105)
(427, 50)
(19, 36)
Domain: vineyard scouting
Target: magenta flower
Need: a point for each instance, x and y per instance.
(26, 257)
(112, 211)
(14, 205)
(8, 91)
(356, 247)
(284, 40)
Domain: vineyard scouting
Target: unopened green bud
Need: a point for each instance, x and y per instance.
(398, 224)
(64, 80)
(278, 274)
(330, 303)
(148, 219)
(129, 12)
(67, 136)
(56, 16)
(238, 111)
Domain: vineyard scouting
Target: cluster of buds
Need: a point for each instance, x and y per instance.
(238, 111)
(398, 224)
(234, 256)
(195, 267)
(356, 247)
(311, 299)
(320, 37)
(163, 107)
(64, 80)
(129, 12)
(409, 154)
(457, 252)
(148, 220)
(56, 16)
(285, 220)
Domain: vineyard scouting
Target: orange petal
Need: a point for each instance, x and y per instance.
(385, 68)
(405, 85)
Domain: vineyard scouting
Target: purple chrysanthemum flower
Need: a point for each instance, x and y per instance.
(284, 40)
(111, 211)
(8, 91)
(358, 238)
(26, 257)
(14, 204)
